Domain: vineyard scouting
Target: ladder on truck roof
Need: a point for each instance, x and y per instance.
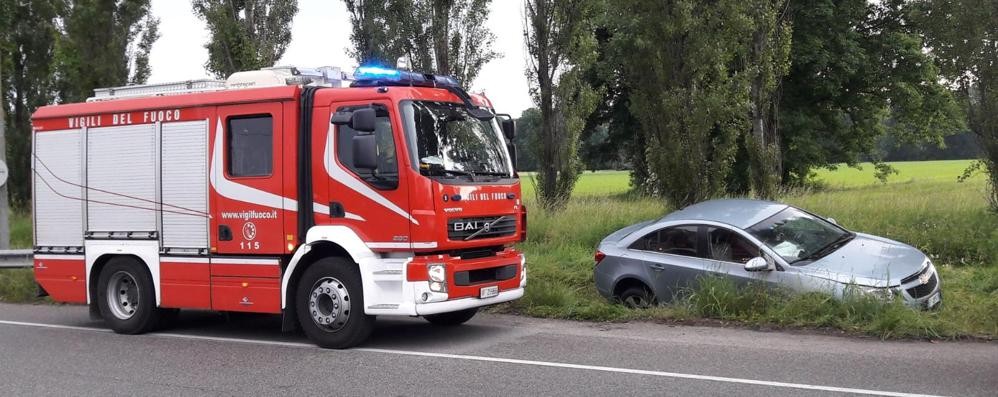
(326, 76)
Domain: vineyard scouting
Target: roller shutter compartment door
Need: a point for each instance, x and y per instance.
(121, 175)
(185, 184)
(57, 177)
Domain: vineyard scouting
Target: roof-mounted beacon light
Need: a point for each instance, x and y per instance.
(378, 76)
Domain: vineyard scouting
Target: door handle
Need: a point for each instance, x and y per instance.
(656, 267)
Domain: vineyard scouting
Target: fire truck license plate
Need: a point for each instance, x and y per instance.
(488, 292)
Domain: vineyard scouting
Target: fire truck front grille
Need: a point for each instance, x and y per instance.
(464, 229)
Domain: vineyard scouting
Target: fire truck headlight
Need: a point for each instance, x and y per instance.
(437, 287)
(437, 272)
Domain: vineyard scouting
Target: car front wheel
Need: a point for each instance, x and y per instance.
(637, 297)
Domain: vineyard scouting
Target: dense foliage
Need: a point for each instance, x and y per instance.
(447, 37)
(245, 34)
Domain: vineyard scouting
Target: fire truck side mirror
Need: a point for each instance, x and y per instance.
(508, 126)
(365, 152)
(363, 120)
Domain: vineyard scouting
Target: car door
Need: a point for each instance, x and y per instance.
(673, 259)
(728, 251)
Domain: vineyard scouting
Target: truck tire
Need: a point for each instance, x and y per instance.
(126, 298)
(453, 318)
(329, 302)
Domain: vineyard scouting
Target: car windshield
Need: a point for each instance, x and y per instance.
(798, 236)
(444, 139)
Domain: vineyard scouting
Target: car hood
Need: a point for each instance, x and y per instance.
(869, 261)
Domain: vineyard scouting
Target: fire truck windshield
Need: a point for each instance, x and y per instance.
(445, 140)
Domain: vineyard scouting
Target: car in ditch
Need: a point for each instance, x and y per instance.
(758, 241)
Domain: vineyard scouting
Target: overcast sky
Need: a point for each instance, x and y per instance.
(321, 36)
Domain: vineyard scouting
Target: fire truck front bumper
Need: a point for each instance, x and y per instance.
(454, 305)
(441, 283)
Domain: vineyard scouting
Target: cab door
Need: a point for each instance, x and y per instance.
(248, 208)
(374, 201)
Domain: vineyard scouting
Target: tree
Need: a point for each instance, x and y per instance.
(447, 37)
(381, 30)
(560, 43)
(963, 39)
(858, 72)
(527, 127)
(27, 48)
(114, 55)
(767, 60)
(688, 90)
(245, 34)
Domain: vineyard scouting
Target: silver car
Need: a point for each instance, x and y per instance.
(760, 241)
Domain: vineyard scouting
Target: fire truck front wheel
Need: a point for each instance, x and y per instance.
(126, 298)
(330, 304)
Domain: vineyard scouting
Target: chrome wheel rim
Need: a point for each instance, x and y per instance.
(123, 295)
(329, 304)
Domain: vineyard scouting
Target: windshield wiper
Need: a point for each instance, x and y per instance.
(492, 173)
(831, 247)
(470, 174)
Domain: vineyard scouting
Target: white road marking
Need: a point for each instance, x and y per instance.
(549, 364)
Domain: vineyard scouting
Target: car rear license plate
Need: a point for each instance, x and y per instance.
(933, 300)
(488, 292)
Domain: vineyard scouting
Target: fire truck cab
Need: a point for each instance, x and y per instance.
(302, 192)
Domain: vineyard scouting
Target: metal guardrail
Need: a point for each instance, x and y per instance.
(11, 259)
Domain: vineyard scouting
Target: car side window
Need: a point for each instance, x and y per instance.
(728, 246)
(678, 240)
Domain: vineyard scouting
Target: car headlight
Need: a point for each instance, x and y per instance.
(878, 292)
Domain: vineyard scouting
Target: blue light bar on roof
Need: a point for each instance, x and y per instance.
(376, 75)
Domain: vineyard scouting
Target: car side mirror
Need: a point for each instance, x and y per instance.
(757, 264)
(365, 152)
(508, 126)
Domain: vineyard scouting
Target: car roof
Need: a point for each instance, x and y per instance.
(740, 213)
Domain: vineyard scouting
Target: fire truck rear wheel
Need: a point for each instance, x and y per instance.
(330, 304)
(126, 298)
(452, 318)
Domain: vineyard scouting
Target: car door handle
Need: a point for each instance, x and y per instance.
(657, 267)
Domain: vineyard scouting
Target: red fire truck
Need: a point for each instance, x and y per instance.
(326, 197)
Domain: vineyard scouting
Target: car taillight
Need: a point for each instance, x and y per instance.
(599, 256)
(523, 223)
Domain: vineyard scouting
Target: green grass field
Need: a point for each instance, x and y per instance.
(923, 205)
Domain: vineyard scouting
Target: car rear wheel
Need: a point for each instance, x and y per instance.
(126, 298)
(330, 304)
(452, 318)
(637, 297)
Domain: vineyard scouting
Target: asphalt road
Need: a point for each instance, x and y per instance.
(57, 350)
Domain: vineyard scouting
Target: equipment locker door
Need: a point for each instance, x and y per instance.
(246, 179)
